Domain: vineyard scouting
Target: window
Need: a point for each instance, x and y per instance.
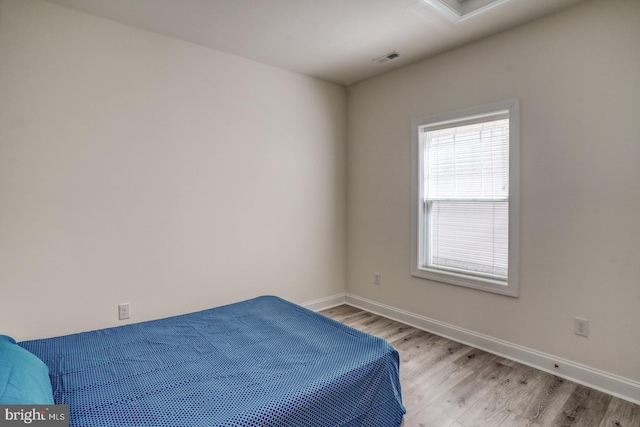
(465, 197)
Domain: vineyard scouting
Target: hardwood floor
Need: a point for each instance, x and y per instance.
(448, 384)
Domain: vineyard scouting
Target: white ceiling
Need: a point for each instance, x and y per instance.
(334, 40)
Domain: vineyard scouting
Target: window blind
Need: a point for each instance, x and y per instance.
(466, 196)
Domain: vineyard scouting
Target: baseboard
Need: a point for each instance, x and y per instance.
(325, 303)
(603, 381)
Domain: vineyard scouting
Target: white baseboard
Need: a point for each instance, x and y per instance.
(603, 381)
(325, 303)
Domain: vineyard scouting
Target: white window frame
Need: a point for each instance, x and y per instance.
(418, 227)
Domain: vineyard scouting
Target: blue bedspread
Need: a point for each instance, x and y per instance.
(261, 362)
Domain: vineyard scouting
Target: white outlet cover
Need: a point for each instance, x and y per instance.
(377, 279)
(124, 311)
(581, 326)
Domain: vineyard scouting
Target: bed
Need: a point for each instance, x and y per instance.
(260, 362)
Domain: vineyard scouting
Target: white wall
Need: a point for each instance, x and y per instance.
(138, 168)
(577, 75)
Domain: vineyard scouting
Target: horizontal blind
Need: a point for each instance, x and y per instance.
(466, 196)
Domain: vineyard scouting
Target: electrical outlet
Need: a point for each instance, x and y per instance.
(377, 279)
(124, 311)
(581, 327)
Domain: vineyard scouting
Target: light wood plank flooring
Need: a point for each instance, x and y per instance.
(448, 384)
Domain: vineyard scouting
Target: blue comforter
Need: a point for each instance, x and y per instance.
(261, 362)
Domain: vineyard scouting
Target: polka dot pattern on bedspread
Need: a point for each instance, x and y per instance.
(261, 362)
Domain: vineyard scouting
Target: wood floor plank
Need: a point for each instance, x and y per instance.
(585, 408)
(341, 313)
(430, 362)
(452, 366)
(448, 384)
(356, 320)
(394, 332)
(552, 393)
(514, 420)
(522, 399)
(621, 413)
(462, 396)
(504, 400)
(414, 349)
(379, 324)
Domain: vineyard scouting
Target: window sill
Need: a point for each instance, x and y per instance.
(473, 282)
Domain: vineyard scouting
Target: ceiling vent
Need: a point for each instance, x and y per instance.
(386, 58)
(459, 10)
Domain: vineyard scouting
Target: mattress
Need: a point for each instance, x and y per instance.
(260, 362)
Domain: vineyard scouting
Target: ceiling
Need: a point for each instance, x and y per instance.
(333, 40)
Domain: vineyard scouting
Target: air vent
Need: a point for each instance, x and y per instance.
(386, 58)
(459, 10)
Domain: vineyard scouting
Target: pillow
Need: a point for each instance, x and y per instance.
(24, 379)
